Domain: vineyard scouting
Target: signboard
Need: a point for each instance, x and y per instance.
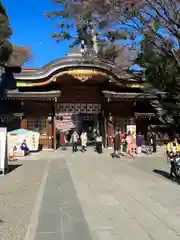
(16, 137)
(78, 108)
(65, 121)
(3, 150)
(131, 128)
(18, 114)
(64, 125)
(32, 140)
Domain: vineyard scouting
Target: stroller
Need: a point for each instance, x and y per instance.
(175, 166)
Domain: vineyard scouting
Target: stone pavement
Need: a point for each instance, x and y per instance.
(87, 196)
(122, 202)
(18, 190)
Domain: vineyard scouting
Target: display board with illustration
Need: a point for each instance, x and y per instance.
(16, 137)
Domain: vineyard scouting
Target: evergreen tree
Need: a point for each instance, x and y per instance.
(5, 33)
(163, 73)
(90, 28)
(157, 23)
(10, 54)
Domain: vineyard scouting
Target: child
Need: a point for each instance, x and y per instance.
(124, 145)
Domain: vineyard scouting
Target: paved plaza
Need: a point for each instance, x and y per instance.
(64, 196)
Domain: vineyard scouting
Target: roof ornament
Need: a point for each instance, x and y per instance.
(84, 74)
(82, 47)
(81, 78)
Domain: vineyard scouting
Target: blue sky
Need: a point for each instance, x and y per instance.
(32, 29)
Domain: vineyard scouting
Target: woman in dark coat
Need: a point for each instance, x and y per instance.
(57, 139)
(116, 145)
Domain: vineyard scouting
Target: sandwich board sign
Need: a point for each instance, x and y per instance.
(3, 150)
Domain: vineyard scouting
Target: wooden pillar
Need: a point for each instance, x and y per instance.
(54, 133)
(24, 123)
(54, 123)
(103, 128)
(110, 133)
(105, 131)
(50, 132)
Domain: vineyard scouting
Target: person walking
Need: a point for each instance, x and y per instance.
(83, 141)
(62, 140)
(134, 147)
(139, 143)
(124, 145)
(154, 142)
(149, 142)
(68, 138)
(121, 139)
(57, 139)
(116, 145)
(74, 140)
(99, 143)
(130, 142)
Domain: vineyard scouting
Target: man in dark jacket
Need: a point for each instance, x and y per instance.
(139, 141)
(116, 145)
(151, 142)
(154, 142)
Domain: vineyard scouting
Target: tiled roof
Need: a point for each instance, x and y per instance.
(35, 95)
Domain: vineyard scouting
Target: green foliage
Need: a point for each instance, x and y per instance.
(157, 22)
(109, 52)
(10, 54)
(5, 33)
(77, 14)
(162, 73)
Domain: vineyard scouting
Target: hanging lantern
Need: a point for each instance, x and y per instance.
(49, 119)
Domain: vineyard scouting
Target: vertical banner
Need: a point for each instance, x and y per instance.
(32, 140)
(131, 128)
(3, 150)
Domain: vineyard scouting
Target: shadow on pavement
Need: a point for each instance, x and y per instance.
(167, 176)
(12, 167)
(162, 173)
(61, 213)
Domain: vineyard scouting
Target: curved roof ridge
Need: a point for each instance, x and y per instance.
(68, 62)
